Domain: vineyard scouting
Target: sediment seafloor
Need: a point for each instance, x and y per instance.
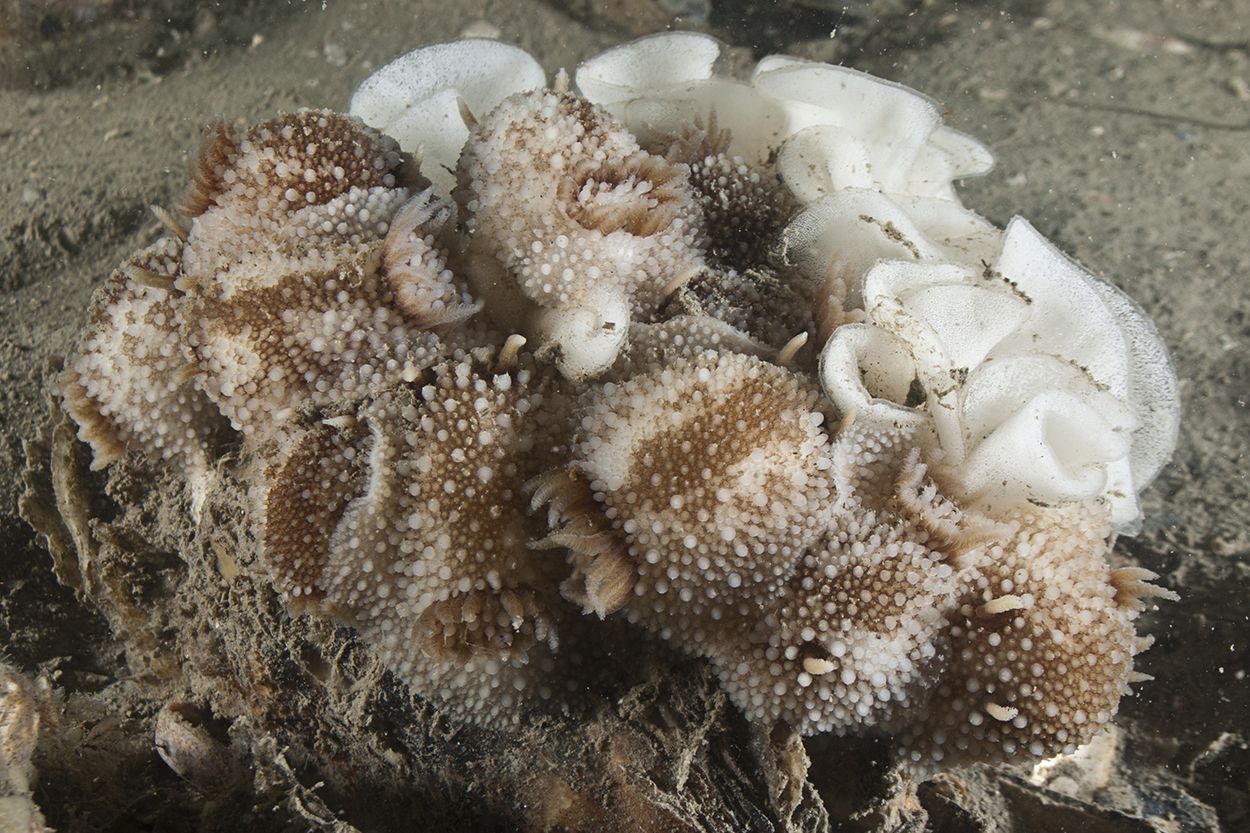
(1122, 131)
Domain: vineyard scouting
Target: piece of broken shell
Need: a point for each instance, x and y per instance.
(187, 747)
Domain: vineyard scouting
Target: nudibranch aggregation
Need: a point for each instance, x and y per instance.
(723, 358)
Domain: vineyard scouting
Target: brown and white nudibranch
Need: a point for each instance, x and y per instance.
(571, 230)
(297, 290)
(707, 475)
(131, 383)
(406, 518)
(724, 359)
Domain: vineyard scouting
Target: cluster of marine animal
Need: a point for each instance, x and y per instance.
(725, 358)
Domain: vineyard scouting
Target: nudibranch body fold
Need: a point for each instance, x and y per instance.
(722, 357)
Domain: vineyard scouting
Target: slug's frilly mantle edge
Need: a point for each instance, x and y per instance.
(723, 358)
